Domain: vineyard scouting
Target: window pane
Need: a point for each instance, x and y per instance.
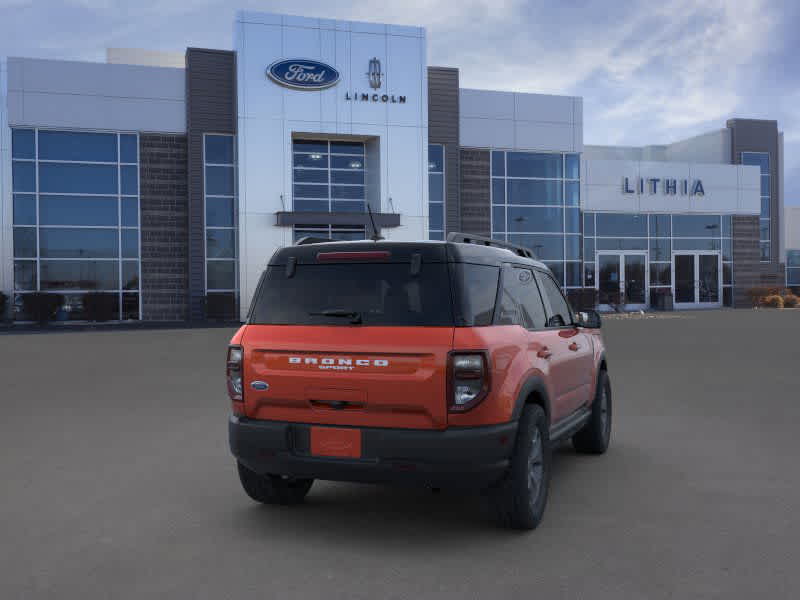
(573, 274)
(128, 149)
(435, 158)
(573, 193)
(498, 218)
(765, 185)
(23, 176)
(660, 226)
(727, 297)
(311, 175)
(436, 187)
(130, 212)
(221, 274)
(558, 305)
(310, 191)
(696, 225)
(309, 146)
(498, 191)
(347, 148)
(219, 181)
(480, 281)
(316, 161)
(530, 164)
(77, 210)
(24, 209)
(588, 274)
(220, 243)
(130, 274)
(358, 177)
(129, 180)
(347, 192)
(572, 220)
(727, 226)
(661, 274)
(727, 249)
(342, 162)
(130, 243)
(765, 251)
(765, 208)
(588, 249)
(573, 247)
(539, 220)
(545, 247)
(348, 206)
(130, 307)
(793, 277)
(25, 275)
(79, 275)
(219, 212)
(436, 235)
(25, 242)
(23, 144)
(660, 249)
(759, 159)
(77, 179)
(588, 224)
(520, 301)
(74, 145)
(311, 205)
(793, 258)
(763, 229)
(621, 244)
(498, 163)
(573, 166)
(624, 225)
(78, 243)
(436, 216)
(727, 273)
(219, 149)
(557, 268)
(695, 244)
(522, 191)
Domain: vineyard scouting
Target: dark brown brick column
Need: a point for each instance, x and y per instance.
(476, 208)
(746, 254)
(443, 128)
(165, 226)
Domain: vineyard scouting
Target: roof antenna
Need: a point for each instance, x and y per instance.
(375, 237)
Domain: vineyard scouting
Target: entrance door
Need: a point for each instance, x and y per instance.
(697, 279)
(622, 280)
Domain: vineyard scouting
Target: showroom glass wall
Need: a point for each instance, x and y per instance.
(76, 220)
(660, 236)
(761, 160)
(536, 204)
(328, 176)
(793, 268)
(435, 191)
(221, 224)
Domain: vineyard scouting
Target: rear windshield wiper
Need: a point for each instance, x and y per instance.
(354, 316)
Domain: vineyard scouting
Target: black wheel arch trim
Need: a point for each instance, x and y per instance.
(534, 384)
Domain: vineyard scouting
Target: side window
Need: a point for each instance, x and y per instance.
(478, 291)
(520, 303)
(560, 314)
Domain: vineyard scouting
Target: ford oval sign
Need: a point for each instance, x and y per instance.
(303, 74)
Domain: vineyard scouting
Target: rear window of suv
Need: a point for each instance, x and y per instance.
(377, 294)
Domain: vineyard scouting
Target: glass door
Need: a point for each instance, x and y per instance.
(635, 280)
(622, 280)
(697, 279)
(609, 280)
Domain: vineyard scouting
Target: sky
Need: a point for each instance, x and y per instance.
(649, 72)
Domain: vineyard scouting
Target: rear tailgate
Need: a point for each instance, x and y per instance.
(352, 375)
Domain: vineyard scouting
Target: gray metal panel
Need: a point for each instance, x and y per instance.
(443, 128)
(288, 219)
(210, 108)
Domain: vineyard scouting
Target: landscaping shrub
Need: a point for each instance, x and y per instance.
(773, 301)
(790, 301)
(41, 306)
(99, 306)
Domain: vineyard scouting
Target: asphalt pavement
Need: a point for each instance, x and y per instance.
(117, 482)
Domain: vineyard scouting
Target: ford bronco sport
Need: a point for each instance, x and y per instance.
(455, 363)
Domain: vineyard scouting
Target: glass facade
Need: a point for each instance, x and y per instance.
(221, 222)
(436, 192)
(536, 204)
(660, 235)
(761, 160)
(793, 268)
(76, 220)
(328, 176)
(334, 232)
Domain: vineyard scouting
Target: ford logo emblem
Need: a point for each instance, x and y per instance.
(260, 385)
(303, 74)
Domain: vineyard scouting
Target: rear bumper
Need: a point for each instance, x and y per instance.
(456, 457)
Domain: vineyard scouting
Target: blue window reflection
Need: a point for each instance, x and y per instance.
(129, 183)
(130, 243)
(530, 164)
(219, 181)
(573, 166)
(220, 243)
(130, 212)
(78, 146)
(539, 219)
(23, 143)
(77, 210)
(24, 275)
(130, 275)
(23, 176)
(25, 242)
(78, 243)
(77, 178)
(219, 149)
(435, 158)
(128, 149)
(219, 212)
(436, 216)
(545, 247)
(498, 163)
(79, 275)
(220, 275)
(531, 191)
(24, 209)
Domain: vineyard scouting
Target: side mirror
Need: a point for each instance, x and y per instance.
(589, 319)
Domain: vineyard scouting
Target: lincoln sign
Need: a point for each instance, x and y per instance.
(667, 186)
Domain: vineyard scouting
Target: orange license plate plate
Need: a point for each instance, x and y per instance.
(336, 442)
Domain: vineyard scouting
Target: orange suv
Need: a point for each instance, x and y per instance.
(444, 364)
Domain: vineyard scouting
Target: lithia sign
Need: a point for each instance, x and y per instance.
(667, 186)
(306, 74)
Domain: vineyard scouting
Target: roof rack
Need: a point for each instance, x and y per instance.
(468, 238)
(310, 239)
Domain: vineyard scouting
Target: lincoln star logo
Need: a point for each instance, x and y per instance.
(302, 74)
(337, 364)
(374, 74)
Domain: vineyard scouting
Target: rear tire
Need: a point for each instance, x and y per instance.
(596, 434)
(519, 500)
(273, 489)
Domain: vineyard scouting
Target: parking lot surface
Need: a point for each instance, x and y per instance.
(117, 482)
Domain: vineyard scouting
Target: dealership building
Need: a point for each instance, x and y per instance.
(168, 180)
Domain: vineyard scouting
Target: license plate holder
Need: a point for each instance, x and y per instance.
(336, 442)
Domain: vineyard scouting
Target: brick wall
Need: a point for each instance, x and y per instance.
(746, 266)
(165, 227)
(443, 128)
(476, 216)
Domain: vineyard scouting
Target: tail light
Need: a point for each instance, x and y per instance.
(234, 373)
(468, 378)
